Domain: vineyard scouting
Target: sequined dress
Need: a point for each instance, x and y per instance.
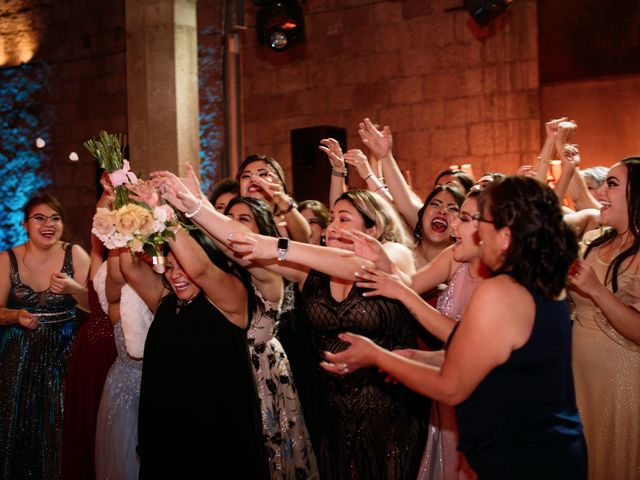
(32, 372)
(441, 459)
(93, 354)
(287, 439)
(606, 368)
(367, 427)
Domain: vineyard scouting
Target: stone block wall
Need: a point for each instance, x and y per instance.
(451, 92)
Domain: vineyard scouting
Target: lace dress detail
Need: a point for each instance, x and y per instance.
(32, 373)
(287, 439)
(135, 319)
(367, 427)
(117, 424)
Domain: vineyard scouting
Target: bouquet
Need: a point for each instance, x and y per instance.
(138, 222)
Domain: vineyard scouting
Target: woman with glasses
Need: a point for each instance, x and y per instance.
(41, 282)
(507, 367)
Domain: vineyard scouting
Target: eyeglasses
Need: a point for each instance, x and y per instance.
(42, 219)
(477, 217)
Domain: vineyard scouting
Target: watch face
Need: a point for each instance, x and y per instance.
(283, 243)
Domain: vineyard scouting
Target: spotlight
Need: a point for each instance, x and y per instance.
(483, 11)
(279, 24)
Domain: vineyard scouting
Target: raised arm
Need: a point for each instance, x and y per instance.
(548, 148)
(141, 277)
(579, 193)
(359, 160)
(338, 185)
(381, 143)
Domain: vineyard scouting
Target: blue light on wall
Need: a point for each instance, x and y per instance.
(211, 114)
(23, 118)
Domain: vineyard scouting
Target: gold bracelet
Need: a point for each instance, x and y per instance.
(2, 316)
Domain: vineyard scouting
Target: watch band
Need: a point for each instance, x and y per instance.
(283, 248)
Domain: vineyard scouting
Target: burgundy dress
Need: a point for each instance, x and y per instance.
(93, 354)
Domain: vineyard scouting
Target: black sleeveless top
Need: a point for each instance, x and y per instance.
(522, 420)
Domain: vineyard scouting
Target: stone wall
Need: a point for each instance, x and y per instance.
(451, 92)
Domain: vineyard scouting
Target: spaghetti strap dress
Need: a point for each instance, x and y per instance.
(32, 373)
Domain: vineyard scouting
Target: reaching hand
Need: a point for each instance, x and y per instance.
(570, 156)
(271, 186)
(368, 247)
(108, 194)
(144, 191)
(359, 354)
(252, 246)
(551, 126)
(174, 191)
(379, 142)
(331, 147)
(380, 283)
(191, 181)
(358, 159)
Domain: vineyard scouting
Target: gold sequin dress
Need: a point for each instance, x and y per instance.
(606, 369)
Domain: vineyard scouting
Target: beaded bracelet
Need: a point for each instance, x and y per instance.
(339, 173)
(195, 212)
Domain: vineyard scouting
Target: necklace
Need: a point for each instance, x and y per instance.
(183, 303)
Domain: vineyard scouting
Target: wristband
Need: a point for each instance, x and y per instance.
(291, 206)
(339, 173)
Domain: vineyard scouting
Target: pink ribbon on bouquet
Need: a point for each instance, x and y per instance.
(123, 175)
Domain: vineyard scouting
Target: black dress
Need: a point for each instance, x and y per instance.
(521, 422)
(367, 428)
(199, 407)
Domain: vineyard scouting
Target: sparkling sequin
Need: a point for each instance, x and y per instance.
(32, 372)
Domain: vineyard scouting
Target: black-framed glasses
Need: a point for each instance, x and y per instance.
(42, 219)
(477, 217)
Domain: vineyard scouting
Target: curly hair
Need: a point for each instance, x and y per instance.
(633, 213)
(542, 245)
(269, 161)
(261, 214)
(418, 231)
(319, 209)
(378, 212)
(226, 185)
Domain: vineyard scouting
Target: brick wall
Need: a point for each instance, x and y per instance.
(451, 92)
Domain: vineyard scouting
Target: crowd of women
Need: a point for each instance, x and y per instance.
(490, 331)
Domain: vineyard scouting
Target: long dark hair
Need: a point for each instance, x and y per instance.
(262, 214)
(269, 161)
(542, 245)
(633, 212)
(418, 231)
(221, 261)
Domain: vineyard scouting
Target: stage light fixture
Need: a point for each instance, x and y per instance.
(483, 11)
(279, 24)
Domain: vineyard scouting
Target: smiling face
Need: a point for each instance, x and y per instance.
(612, 195)
(344, 216)
(467, 246)
(435, 221)
(242, 213)
(181, 284)
(44, 225)
(316, 229)
(248, 185)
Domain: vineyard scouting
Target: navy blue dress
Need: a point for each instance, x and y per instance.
(522, 422)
